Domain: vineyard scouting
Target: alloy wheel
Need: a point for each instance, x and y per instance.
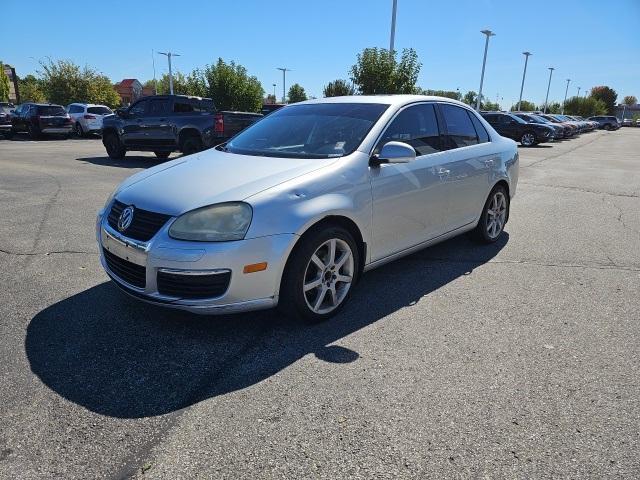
(328, 276)
(528, 139)
(496, 214)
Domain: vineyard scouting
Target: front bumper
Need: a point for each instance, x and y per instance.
(245, 292)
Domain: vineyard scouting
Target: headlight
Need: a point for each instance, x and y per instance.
(216, 223)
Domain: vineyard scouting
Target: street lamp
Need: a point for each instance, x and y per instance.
(284, 82)
(546, 100)
(488, 33)
(526, 59)
(274, 93)
(393, 26)
(565, 95)
(578, 92)
(169, 55)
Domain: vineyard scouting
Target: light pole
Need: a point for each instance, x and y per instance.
(393, 26)
(526, 59)
(169, 55)
(546, 100)
(488, 33)
(274, 93)
(566, 90)
(578, 92)
(284, 82)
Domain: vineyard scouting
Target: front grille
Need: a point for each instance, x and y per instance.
(145, 224)
(193, 286)
(131, 273)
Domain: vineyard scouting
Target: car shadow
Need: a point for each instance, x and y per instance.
(123, 358)
(129, 161)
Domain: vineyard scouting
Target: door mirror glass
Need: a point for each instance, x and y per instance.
(396, 152)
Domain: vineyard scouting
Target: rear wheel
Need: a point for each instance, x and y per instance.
(607, 126)
(494, 216)
(114, 147)
(191, 144)
(320, 273)
(162, 155)
(528, 139)
(79, 131)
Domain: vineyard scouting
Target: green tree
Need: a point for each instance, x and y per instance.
(552, 107)
(442, 93)
(30, 89)
(378, 71)
(339, 88)
(179, 84)
(152, 84)
(470, 98)
(525, 106)
(271, 98)
(608, 96)
(196, 83)
(297, 93)
(5, 85)
(232, 88)
(585, 107)
(65, 82)
(489, 105)
(630, 100)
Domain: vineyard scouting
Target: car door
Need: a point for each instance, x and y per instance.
(409, 199)
(133, 129)
(157, 127)
(470, 161)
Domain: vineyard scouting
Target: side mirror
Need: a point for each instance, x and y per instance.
(122, 112)
(394, 152)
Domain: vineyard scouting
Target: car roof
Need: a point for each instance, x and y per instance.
(397, 100)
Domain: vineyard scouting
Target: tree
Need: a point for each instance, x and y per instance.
(378, 71)
(553, 107)
(30, 89)
(179, 84)
(65, 82)
(271, 98)
(585, 107)
(297, 93)
(152, 84)
(630, 100)
(232, 88)
(489, 105)
(525, 106)
(470, 98)
(338, 88)
(441, 93)
(608, 96)
(5, 85)
(196, 83)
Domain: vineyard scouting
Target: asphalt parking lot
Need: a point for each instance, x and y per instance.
(517, 360)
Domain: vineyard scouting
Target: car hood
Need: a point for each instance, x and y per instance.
(210, 177)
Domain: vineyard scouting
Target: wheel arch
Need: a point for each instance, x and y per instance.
(187, 132)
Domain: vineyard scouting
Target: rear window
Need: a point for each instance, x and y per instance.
(51, 111)
(4, 109)
(99, 110)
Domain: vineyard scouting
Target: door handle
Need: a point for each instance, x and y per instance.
(488, 162)
(443, 172)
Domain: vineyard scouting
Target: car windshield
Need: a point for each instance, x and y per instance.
(517, 118)
(322, 130)
(539, 119)
(51, 111)
(99, 110)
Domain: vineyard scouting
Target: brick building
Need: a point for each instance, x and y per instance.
(130, 90)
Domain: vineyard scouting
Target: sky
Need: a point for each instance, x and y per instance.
(591, 42)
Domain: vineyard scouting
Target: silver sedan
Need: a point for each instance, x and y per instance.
(295, 208)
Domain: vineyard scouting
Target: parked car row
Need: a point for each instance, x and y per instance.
(533, 128)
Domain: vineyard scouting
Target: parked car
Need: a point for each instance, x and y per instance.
(627, 122)
(511, 126)
(87, 117)
(606, 122)
(41, 119)
(553, 119)
(6, 110)
(295, 208)
(558, 130)
(167, 123)
(267, 108)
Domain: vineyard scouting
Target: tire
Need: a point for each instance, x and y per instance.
(34, 133)
(79, 131)
(114, 147)
(607, 126)
(489, 227)
(162, 155)
(528, 139)
(191, 144)
(307, 282)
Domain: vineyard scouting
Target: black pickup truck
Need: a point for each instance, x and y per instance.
(167, 123)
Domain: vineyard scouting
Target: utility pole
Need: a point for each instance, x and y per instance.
(169, 55)
(393, 26)
(546, 100)
(578, 92)
(155, 83)
(284, 82)
(488, 33)
(274, 93)
(565, 95)
(526, 59)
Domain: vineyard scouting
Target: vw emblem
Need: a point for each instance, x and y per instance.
(125, 219)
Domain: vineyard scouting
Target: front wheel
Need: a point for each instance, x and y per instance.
(114, 147)
(528, 139)
(319, 276)
(79, 131)
(34, 132)
(494, 216)
(191, 144)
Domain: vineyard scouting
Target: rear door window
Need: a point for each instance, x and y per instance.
(483, 136)
(183, 106)
(157, 107)
(460, 129)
